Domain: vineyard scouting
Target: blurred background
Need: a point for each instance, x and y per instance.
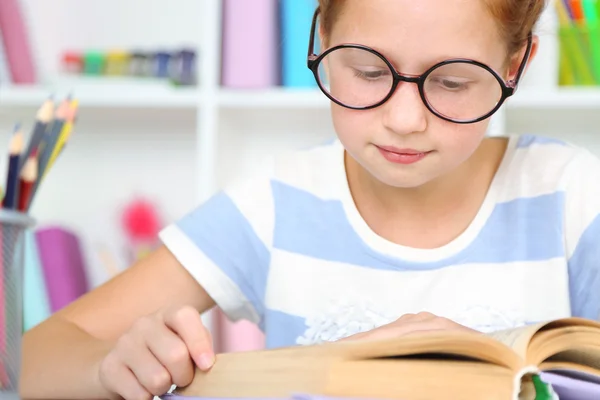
(176, 99)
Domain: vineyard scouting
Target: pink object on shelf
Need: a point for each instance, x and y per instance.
(249, 47)
(16, 43)
(237, 336)
(63, 266)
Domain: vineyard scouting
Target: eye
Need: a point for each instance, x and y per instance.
(451, 83)
(370, 74)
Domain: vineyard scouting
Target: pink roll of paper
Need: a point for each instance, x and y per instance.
(237, 336)
(249, 48)
(16, 43)
(62, 265)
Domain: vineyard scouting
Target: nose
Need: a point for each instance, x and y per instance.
(404, 113)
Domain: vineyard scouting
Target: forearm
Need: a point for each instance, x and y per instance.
(62, 364)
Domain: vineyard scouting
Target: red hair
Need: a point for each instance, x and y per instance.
(515, 18)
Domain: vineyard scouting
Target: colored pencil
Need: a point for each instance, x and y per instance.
(43, 120)
(49, 141)
(577, 10)
(64, 135)
(27, 179)
(591, 20)
(12, 178)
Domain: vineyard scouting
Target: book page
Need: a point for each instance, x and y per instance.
(589, 356)
(518, 338)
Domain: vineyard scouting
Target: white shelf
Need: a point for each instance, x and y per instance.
(272, 98)
(558, 99)
(150, 95)
(108, 95)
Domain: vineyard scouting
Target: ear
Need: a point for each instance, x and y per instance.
(322, 39)
(517, 59)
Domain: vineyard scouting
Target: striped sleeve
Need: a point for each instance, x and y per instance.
(582, 228)
(225, 245)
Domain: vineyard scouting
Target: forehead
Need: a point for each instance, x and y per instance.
(417, 33)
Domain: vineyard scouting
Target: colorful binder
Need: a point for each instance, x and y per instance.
(16, 43)
(249, 51)
(63, 265)
(296, 19)
(237, 336)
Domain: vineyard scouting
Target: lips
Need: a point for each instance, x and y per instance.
(406, 152)
(402, 155)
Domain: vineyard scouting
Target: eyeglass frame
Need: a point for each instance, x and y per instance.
(509, 87)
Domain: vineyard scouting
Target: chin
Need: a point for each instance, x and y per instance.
(402, 181)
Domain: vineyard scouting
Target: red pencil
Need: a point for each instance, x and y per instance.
(27, 179)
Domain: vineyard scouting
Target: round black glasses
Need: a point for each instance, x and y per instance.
(459, 90)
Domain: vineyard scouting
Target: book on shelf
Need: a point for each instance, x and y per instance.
(507, 364)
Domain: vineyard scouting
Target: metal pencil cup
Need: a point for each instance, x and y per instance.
(12, 228)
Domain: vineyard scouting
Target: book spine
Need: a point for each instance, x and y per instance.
(249, 51)
(5, 77)
(62, 263)
(16, 44)
(237, 336)
(296, 19)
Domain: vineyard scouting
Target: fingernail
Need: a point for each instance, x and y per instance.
(206, 361)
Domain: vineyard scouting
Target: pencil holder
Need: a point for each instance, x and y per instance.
(579, 55)
(12, 228)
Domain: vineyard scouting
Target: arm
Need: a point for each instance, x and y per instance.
(61, 356)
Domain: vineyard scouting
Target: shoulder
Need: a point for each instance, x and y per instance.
(298, 177)
(537, 165)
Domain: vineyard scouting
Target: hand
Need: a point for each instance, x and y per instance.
(410, 324)
(159, 351)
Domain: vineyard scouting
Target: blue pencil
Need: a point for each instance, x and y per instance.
(12, 177)
(42, 122)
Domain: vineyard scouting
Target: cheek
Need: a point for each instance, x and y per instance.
(352, 125)
(462, 140)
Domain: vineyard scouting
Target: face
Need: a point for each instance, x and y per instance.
(401, 143)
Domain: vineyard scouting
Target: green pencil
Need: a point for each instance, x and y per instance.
(591, 19)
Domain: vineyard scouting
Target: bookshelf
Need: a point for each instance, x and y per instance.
(123, 95)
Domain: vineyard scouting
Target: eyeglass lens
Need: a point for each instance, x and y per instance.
(459, 91)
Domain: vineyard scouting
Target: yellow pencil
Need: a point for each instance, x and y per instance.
(563, 15)
(64, 135)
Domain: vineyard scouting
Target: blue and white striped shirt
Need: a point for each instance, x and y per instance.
(289, 251)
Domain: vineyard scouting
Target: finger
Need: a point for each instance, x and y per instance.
(172, 353)
(187, 323)
(422, 326)
(421, 316)
(125, 384)
(151, 374)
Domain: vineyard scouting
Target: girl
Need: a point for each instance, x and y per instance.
(412, 220)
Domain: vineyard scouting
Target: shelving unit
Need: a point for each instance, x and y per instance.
(217, 118)
(124, 95)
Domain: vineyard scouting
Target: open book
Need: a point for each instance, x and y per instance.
(434, 365)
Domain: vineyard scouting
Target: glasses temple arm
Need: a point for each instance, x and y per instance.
(516, 80)
(311, 44)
